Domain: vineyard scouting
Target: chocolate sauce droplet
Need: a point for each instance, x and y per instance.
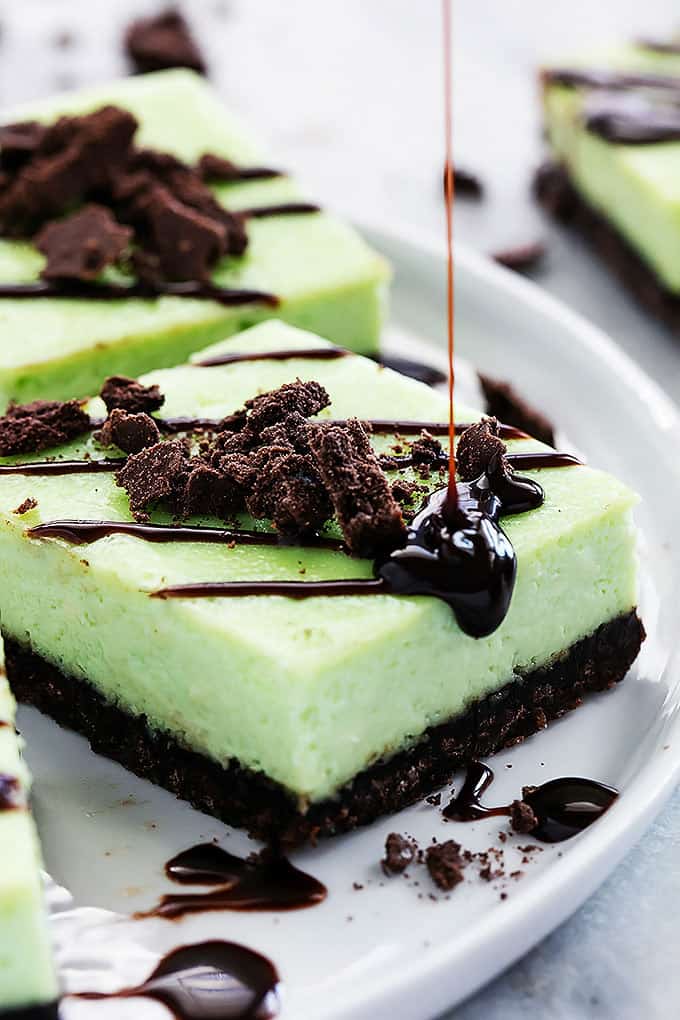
(270, 882)
(461, 554)
(208, 981)
(563, 807)
(115, 292)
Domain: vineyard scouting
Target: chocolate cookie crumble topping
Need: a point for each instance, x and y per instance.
(163, 41)
(28, 504)
(478, 446)
(82, 245)
(127, 394)
(522, 817)
(28, 428)
(129, 432)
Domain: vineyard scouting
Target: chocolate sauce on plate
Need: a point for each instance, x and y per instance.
(114, 292)
(563, 807)
(268, 883)
(208, 981)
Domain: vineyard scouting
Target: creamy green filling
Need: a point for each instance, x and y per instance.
(311, 691)
(325, 276)
(26, 973)
(636, 187)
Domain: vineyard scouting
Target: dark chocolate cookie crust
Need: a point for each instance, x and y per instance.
(46, 1012)
(558, 196)
(249, 800)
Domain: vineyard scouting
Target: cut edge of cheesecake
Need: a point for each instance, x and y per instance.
(28, 984)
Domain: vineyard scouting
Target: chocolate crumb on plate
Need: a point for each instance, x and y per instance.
(522, 257)
(522, 817)
(28, 504)
(445, 864)
(400, 852)
(28, 428)
(505, 403)
(162, 41)
(119, 391)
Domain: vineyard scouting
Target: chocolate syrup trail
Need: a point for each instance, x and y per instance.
(307, 354)
(62, 467)
(528, 461)
(659, 46)
(208, 981)
(268, 883)
(607, 79)
(465, 558)
(114, 292)
(11, 795)
(258, 212)
(418, 370)
(81, 532)
(248, 173)
(563, 807)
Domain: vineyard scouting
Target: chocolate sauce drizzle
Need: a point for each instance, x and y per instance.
(306, 354)
(258, 212)
(62, 467)
(208, 981)
(269, 882)
(459, 555)
(527, 461)
(628, 109)
(115, 292)
(82, 532)
(563, 807)
(418, 370)
(11, 794)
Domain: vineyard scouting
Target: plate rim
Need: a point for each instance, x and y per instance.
(572, 879)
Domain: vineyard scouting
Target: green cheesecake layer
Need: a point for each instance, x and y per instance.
(309, 692)
(635, 187)
(27, 976)
(326, 277)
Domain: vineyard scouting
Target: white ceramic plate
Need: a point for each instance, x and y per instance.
(388, 949)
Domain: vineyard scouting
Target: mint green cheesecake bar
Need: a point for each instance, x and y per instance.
(324, 276)
(305, 716)
(27, 976)
(613, 132)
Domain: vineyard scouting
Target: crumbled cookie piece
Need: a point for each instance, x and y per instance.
(445, 864)
(522, 817)
(130, 395)
(28, 504)
(302, 398)
(426, 450)
(28, 428)
(82, 245)
(478, 447)
(403, 490)
(157, 473)
(400, 852)
(162, 41)
(129, 432)
(368, 514)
